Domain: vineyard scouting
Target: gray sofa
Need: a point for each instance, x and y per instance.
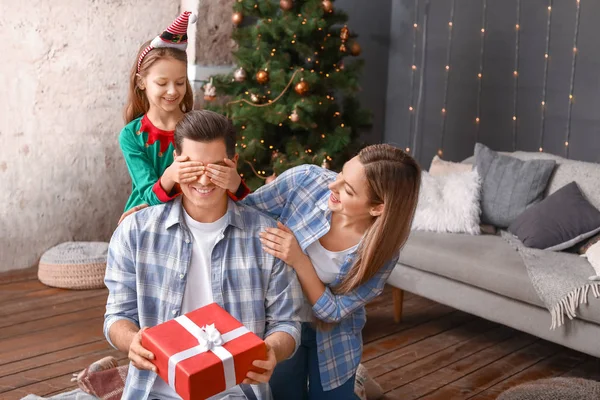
(484, 276)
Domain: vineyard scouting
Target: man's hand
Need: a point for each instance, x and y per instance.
(224, 176)
(254, 378)
(139, 356)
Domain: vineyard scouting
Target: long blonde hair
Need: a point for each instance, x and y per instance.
(394, 180)
(137, 102)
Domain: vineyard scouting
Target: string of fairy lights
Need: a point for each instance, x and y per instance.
(480, 74)
(516, 76)
(447, 77)
(572, 83)
(414, 106)
(545, 79)
(413, 71)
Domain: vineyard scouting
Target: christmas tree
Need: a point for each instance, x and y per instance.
(292, 96)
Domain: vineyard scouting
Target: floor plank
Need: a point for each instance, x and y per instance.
(49, 359)
(427, 384)
(19, 275)
(45, 299)
(18, 290)
(401, 355)
(379, 326)
(36, 314)
(590, 369)
(492, 373)
(50, 340)
(547, 368)
(385, 346)
(75, 317)
(416, 369)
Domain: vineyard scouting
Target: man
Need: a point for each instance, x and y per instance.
(167, 260)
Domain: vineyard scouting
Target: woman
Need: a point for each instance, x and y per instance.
(342, 234)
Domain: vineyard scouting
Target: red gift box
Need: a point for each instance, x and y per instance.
(203, 352)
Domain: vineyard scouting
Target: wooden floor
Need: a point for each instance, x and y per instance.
(435, 353)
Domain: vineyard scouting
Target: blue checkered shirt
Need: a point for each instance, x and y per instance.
(299, 198)
(148, 260)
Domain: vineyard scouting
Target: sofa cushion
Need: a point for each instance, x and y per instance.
(471, 160)
(441, 167)
(586, 174)
(485, 261)
(509, 185)
(449, 203)
(558, 222)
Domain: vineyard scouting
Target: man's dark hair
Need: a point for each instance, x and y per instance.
(205, 126)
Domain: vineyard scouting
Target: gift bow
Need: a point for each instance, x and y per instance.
(209, 339)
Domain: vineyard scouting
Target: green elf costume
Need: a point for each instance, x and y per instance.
(148, 151)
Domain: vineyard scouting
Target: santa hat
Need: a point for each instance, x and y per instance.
(174, 36)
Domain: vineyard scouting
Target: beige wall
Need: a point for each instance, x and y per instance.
(63, 75)
(213, 43)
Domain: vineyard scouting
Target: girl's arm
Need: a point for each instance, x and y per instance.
(141, 170)
(272, 198)
(157, 190)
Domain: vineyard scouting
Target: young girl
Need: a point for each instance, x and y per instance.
(342, 233)
(159, 95)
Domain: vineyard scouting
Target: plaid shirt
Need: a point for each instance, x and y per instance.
(299, 199)
(148, 260)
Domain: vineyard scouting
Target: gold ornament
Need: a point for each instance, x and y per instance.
(294, 117)
(344, 35)
(239, 75)
(301, 88)
(262, 77)
(325, 164)
(327, 6)
(255, 99)
(237, 18)
(355, 49)
(210, 91)
(286, 5)
(271, 178)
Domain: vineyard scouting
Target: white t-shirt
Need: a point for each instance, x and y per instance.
(198, 289)
(327, 263)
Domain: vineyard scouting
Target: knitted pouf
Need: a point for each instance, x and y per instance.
(74, 265)
(554, 389)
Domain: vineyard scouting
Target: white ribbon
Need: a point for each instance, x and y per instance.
(209, 339)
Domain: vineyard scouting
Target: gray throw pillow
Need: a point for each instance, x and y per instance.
(559, 221)
(509, 185)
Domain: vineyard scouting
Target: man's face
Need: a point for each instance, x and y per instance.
(203, 194)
